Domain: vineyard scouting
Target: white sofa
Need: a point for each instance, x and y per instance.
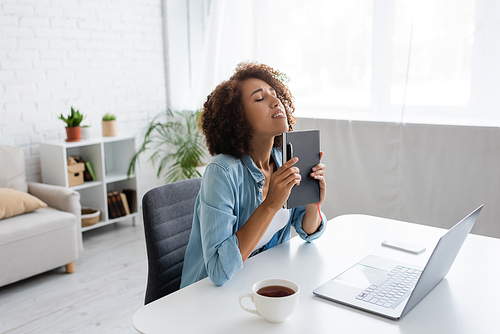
(41, 240)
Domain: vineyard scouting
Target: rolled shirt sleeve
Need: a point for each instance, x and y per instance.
(298, 215)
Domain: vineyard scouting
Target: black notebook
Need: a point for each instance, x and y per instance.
(305, 146)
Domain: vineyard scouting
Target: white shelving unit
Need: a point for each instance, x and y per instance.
(109, 157)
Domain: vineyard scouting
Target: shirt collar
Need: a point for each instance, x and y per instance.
(254, 170)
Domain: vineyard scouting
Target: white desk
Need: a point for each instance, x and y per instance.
(456, 305)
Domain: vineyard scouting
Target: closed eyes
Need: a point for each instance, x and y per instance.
(273, 94)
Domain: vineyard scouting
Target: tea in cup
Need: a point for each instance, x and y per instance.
(274, 299)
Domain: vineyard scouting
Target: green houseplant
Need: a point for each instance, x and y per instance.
(109, 126)
(175, 141)
(73, 130)
(109, 117)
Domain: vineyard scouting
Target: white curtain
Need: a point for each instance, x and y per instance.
(425, 61)
(231, 36)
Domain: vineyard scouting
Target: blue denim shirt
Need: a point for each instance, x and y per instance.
(230, 192)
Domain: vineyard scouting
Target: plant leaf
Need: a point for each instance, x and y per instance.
(176, 144)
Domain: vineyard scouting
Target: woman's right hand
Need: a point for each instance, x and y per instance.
(281, 184)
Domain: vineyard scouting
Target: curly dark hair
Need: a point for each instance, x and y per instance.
(223, 119)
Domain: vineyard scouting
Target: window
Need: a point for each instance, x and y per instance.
(325, 47)
(430, 61)
(438, 37)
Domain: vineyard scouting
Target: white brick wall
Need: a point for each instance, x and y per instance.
(96, 56)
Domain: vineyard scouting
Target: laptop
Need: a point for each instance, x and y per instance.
(391, 288)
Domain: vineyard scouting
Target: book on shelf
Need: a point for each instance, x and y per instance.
(115, 207)
(119, 203)
(125, 203)
(131, 195)
(90, 170)
(88, 175)
(111, 209)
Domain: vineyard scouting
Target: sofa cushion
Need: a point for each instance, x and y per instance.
(45, 220)
(12, 172)
(14, 202)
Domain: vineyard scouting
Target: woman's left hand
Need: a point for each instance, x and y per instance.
(318, 173)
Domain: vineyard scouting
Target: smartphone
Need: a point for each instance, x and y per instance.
(404, 246)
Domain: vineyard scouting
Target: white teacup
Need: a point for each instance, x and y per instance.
(273, 309)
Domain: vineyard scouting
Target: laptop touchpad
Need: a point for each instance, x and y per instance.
(360, 276)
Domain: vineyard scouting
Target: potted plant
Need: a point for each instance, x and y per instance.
(109, 126)
(175, 141)
(86, 132)
(73, 130)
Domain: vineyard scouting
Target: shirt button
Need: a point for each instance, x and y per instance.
(260, 190)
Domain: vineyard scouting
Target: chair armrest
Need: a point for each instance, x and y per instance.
(60, 198)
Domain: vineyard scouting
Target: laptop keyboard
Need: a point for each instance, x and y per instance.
(389, 292)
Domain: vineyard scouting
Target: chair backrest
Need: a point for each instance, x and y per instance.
(168, 217)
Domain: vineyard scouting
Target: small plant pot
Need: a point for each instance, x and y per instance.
(86, 132)
(73, 133)
(109, 128)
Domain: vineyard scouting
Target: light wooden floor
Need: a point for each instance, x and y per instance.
(100, 297)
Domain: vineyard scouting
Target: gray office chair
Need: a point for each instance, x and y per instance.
(168, 215)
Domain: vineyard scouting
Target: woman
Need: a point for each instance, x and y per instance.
(238, 212)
